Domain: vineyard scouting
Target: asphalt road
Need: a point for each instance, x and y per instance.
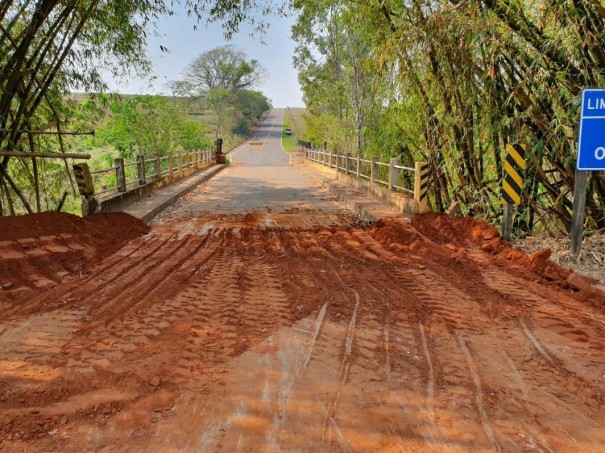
(262, 178)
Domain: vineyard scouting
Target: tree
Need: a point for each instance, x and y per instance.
(219, 100)
(223, 68)
(221, 79)
(251, 103)
(178, 88)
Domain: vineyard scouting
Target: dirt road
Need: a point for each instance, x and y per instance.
(258, 315)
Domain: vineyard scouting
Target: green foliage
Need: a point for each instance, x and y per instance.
(295, 121)
(151, 125)
(223, 68)
(452, 83)
(251, 104)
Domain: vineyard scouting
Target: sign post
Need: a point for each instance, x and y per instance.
(591, 157)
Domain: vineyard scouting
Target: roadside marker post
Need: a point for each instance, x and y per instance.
(421, 185)
(512, 185)
(591, 157)
(84, 179)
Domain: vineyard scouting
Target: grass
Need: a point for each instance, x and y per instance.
(294, 120)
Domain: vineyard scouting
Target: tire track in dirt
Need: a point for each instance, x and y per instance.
(435, 309)
(155, 275)
(506, 436)
(246, 336)
(370, 331)
(330, 410)
(100, 276)
(432, 294)
(134, 324)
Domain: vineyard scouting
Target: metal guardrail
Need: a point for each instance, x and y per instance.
(128, 175)
(391, 175)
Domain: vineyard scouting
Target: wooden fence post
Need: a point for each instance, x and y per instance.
(169, 159)
(120, 174)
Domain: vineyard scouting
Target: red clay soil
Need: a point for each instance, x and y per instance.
(468, 231)
(221, 333)
(38, 251)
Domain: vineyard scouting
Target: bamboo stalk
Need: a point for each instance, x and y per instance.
(45, 155)
(60, 133)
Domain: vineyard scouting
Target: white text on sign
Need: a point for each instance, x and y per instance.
(595, 104)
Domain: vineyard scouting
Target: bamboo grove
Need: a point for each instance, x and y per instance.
(453, 82)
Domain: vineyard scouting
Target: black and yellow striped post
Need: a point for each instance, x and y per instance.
(421, 185)
(512, 185)
(84, 179)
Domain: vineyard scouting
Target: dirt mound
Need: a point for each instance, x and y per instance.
(40, 250)
(442, 238)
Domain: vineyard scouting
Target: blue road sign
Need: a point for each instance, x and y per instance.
(591, 142)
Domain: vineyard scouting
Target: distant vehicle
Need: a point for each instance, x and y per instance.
(288, 131)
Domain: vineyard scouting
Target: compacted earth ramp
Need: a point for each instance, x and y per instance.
(259, 315)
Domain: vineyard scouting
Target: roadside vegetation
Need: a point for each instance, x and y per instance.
(295, 122)
(451, 83)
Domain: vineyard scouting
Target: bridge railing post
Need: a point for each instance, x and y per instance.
(120, 174)
(393, 173)
(374, 169)
(348, 157)
(169, 160)
(141, 170)
(158, 166)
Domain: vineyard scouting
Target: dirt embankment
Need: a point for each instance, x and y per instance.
(40, 250)
(457, 234)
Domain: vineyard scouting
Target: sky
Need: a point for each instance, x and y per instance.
(184, 44)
